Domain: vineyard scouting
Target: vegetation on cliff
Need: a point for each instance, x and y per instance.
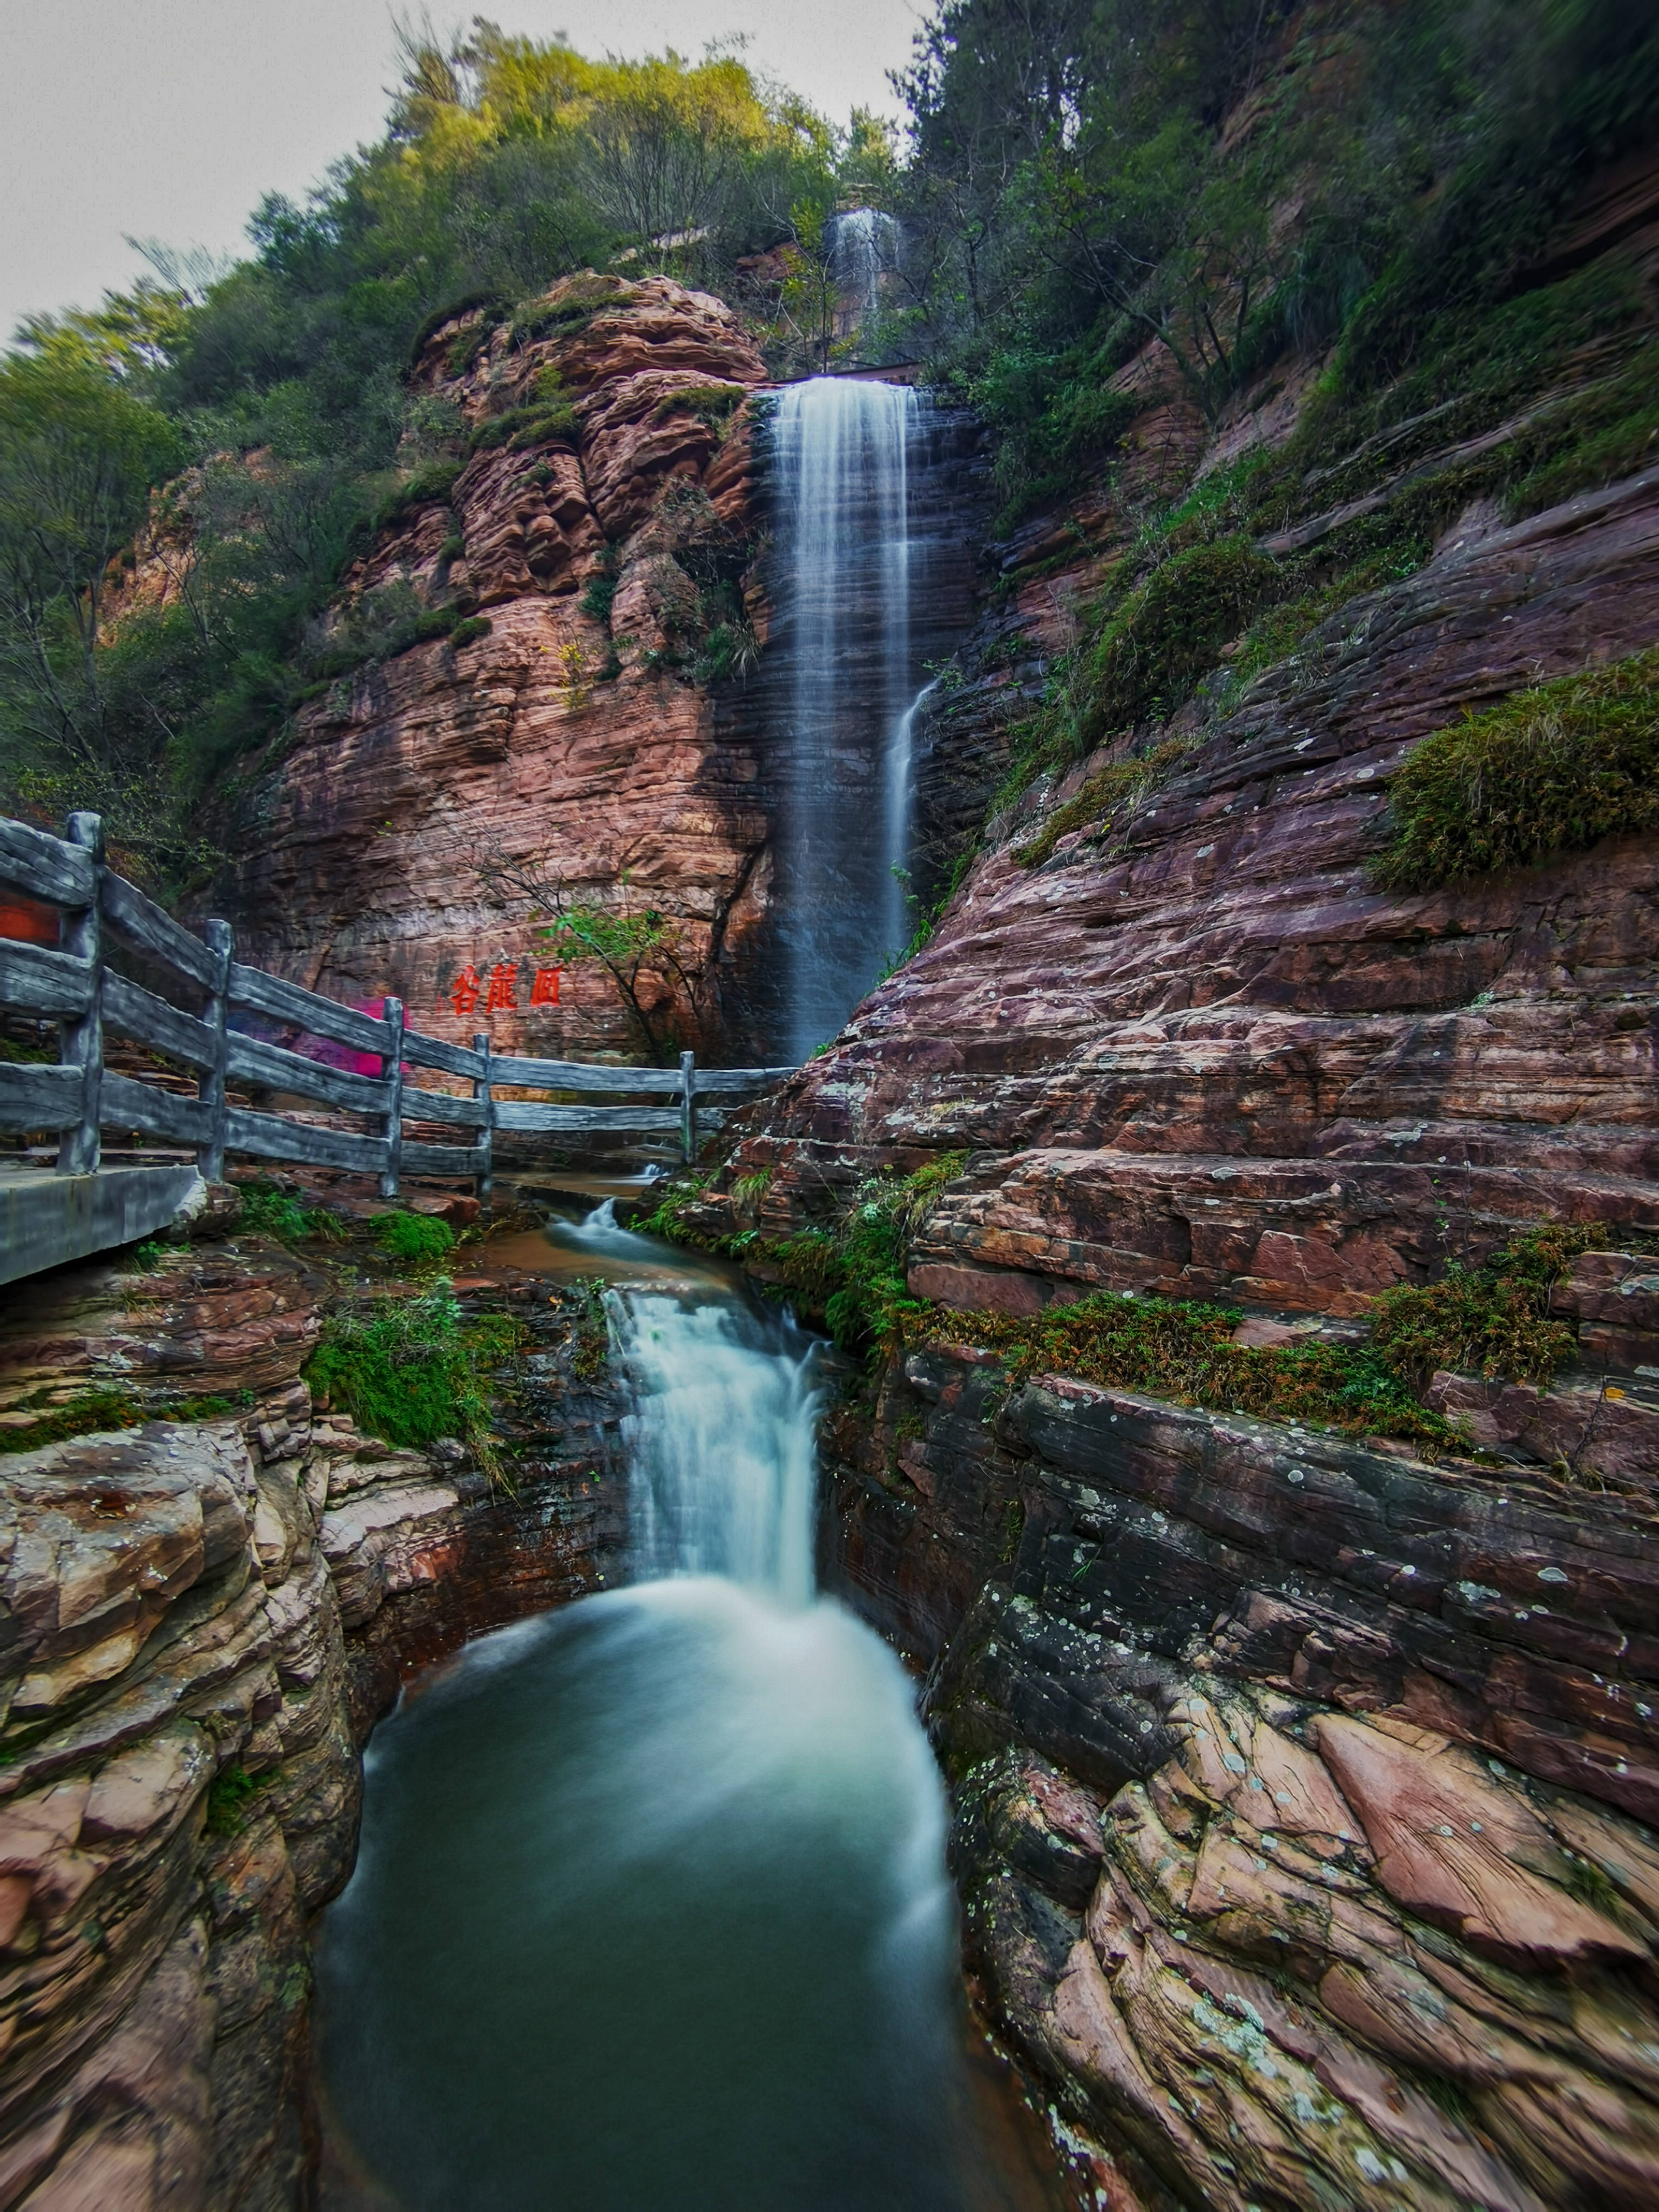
(412, 1370)
(1492, 1319)
(1364, 210)
(1553, 769)
(187, 471)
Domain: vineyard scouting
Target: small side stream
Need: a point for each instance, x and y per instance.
(651, 1912)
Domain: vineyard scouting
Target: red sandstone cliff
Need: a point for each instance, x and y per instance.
(563, 740)
(1306, 1789)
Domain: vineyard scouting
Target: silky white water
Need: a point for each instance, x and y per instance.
(864, 247)
(651, 1913)
(719, 1444)
(841, 453)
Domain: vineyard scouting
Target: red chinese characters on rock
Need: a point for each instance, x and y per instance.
(500, 994)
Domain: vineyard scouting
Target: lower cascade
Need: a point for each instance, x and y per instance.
(651, 1908)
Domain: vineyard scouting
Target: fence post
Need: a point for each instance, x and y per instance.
(391, 1070)
(211, 1082)
(81, 1042)
(688, 1107)
(483, 1182)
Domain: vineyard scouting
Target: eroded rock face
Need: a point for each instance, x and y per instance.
(1207, 1058)
(570, 740)
(1367, 1912)
(1305, 1792)
(200, 1620)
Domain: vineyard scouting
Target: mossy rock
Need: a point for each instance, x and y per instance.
(1553, 769)
(1170, 632)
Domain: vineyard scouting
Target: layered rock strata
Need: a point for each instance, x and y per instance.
(1308, 1791)
(566, 743)
(602, 725)
(201, 1618)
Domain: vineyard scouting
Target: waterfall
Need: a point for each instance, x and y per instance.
(864, 247)
(842, 449)
(719, 1442)
(650, 1913)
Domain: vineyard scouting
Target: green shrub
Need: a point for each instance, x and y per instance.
(1553, 770)
(429, 487)
(410, 1372)
(1168, 633)
(469, 630)
(1493, 1320)
(452, 547)
(491, 302)
(268, 1211)
(730, 652)
(597, 597)
(419, 1239)
(334, 661)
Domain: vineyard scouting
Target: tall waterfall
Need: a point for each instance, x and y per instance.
(842, 449)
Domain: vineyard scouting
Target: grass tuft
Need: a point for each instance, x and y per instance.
(421, 1239)
(1493, 1320)
(411, 1371)
(1106, 792)
(268, 1211)
(1553, 769)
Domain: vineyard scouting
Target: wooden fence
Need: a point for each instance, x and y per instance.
(77, 986)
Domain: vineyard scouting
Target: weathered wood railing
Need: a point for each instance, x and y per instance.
(77, 986)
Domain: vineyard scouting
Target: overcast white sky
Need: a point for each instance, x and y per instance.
(170, 118)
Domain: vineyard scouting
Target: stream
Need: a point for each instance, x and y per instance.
(651, 1910)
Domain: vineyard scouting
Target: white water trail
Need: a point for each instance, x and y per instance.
(651, 1912)
(864, 248)
(842, 451)
(901, 808)
(720, 1443)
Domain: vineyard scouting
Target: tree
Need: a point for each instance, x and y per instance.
(80, 456)
(630, 943)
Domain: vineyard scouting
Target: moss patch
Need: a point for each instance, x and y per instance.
(1106, 793)
(1170, 631)
(1185, 1352)
(97, 1411)
(229, 1796)
(1553, 769)
(418, 1239)
(412, 1371)
(1493, 1320)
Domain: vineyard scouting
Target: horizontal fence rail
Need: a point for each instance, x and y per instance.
(79, 1097)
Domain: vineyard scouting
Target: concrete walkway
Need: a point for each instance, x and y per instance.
(46, 1218)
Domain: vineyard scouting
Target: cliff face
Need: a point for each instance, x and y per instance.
(204, 1617)
(1306, 1786)
(569, 741)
